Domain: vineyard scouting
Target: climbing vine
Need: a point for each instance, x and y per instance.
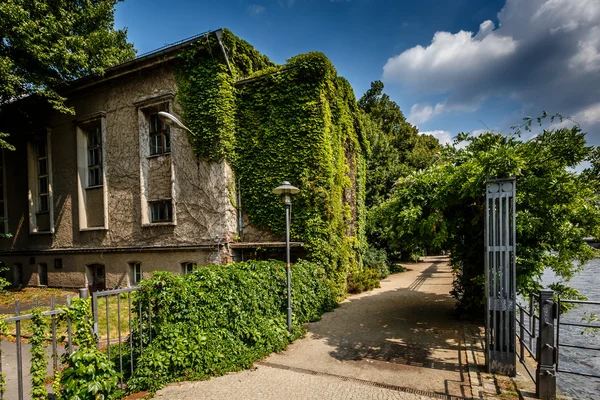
(38, 355)
(297, 122)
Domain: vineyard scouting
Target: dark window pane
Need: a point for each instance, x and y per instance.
(41, 148)
(42, 167)
(160, 211)
(43, 203)
(167, 136)
(43, 187)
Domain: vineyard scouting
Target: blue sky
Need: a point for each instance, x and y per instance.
(452, 66)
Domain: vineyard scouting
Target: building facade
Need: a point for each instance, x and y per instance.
(105, 197)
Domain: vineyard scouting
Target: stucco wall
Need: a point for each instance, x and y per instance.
(203, 191)
(117, 265)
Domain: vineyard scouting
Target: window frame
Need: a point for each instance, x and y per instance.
(159, 136)
(43, 191)
(135, 269)
(95, 169)
(187, 267)
(3, 196)
(168, 210)
(40, 191)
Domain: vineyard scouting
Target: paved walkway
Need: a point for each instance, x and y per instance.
(396, 342)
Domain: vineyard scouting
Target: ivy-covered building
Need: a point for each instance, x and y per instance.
(107, 196)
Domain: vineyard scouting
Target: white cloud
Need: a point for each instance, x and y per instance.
(544, 54)
(444, 137)
(256, 9)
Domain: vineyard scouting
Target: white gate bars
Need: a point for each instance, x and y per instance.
(500, 275)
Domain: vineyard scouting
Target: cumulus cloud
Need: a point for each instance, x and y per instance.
(444, 137)
(544, 54)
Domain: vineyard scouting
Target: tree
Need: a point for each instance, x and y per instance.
(44, 44)
(443, 207)
(397, 147)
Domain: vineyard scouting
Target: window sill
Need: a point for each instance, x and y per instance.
(94, 187)
(166, 223)
(41, 232)
(159, 155)
(96, 228)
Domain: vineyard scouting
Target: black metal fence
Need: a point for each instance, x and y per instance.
(595, 350)
(539, 332)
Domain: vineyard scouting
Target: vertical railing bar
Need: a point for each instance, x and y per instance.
(107, 328)
(54, 349)
(95, 312)
(130, 332)
(69, 330)
(119, 328)
(141, 329)
(513, 240)
(501, 277)
(19, 351)
(495, 269)
(487, 272)
(37, 301)
(558, 334)
(150, 319)
(508, 332)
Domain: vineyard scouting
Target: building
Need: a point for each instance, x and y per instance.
(105, 197)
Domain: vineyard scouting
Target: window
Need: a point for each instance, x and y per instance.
(136, 272)
(187, 267)
(161, 211)
(94, 156)
(3, 217)
(42, 177)
(160, 137)
(58, 264)
(43, 274)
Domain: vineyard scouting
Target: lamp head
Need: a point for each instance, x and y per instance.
(286, 190)
(171, 120)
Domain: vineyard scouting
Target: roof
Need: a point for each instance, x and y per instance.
(145, 60)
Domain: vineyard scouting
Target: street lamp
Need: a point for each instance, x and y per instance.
(172, 120)
(285, 191)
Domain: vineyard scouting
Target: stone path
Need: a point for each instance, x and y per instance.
(400, 341)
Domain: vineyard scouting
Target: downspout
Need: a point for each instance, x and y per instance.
(218, 34)
(239, 210)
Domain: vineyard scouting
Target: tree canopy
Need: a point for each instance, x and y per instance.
(46, 43)
(442, 207)
(397, 147)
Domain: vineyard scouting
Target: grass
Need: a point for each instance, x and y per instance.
(29, 295)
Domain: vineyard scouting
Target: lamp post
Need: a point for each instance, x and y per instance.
(285, 191)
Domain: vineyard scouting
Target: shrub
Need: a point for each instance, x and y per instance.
(377, 259)
(88, 373)
(222, 318)
(363, 280)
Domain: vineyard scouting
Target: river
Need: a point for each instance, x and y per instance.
(588, 282)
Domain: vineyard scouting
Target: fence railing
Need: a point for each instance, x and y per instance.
(18, 320)
(560, 323)
(527, 332)
(114, 324)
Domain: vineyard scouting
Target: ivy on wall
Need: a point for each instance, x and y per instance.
(297, 122)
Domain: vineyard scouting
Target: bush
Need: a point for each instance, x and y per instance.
(377, 259)
(222, 318)
(363, 280)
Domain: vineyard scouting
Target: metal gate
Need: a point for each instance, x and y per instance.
(500, 275)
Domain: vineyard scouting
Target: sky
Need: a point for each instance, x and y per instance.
(452, 66)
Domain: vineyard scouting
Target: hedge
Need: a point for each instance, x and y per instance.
(222, 318)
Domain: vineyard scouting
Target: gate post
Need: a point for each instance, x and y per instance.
(500, 276)
(545, 385)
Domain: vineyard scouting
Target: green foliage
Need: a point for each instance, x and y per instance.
(38, 356)
(396, 145)
(363, 280)
(377, 259)
(222, 318)
(443, 207)
(88, 373)
(297, 123)
(4, 283)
